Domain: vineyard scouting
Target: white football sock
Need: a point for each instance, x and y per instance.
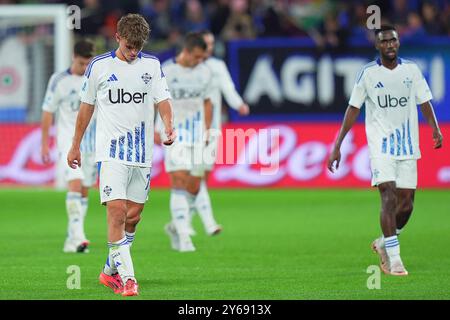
(109, 267)
(121, 257)
(179, 208)
(130, 237)
(84, 208)
(392, 248)
(204, 209)
(74, 213)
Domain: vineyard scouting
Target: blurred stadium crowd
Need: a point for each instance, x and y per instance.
(329, 23)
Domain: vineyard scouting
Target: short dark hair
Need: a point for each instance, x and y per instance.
(384, 28)
(205, 32)
(84, 48)
(194, 40)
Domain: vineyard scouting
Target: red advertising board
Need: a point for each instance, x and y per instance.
(250, 155)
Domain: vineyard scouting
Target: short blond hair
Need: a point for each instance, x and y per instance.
(134, 28)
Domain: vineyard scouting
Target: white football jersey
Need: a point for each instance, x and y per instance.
(62, 98)
(221, 84)
(124, 94)
(391, 98)
(189, 88)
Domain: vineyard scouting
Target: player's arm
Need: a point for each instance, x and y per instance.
(84, 117)
(166, 113)
(428, 113)
(350, 117)
(157, 122)
(228, 90)
(46, 123)
(208, 108)
(49, 107)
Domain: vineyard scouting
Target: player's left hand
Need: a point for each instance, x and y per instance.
(171, 136)
(437, 138)
(244, 109)
(335, 156)
(74, 158)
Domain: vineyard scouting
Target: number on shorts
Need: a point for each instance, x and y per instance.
(148, 182)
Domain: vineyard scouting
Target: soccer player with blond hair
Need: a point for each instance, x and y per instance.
(125, 85)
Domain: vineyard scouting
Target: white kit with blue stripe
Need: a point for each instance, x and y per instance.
(221, 84)
(124, 94)
(391, 98)
(189, 88)
(62, 98)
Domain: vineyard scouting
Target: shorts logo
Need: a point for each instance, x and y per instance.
(146, 78)
(107, 190)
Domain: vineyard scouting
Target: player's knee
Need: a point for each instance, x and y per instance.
(117, 212)
(178, 183)
(133, 220)
(193, 188)
(407, 207)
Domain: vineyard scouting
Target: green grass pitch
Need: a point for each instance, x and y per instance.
(276, 244)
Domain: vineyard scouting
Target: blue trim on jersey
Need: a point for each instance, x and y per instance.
(148, 56)
(403, 140)
(411, 151)
(121, 147)
(399, 61)
(112, 148)
(130, 146)
(137, 137)
(57, 79)
(99, 167)
(392, 144)
(399, 141)
(384, 145)
(143, 141)
(113, 54)
(97, 58)
(68, 71)
(370, 64)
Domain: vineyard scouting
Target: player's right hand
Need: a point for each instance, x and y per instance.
(74, 158)
(171, 136)
(335, 156)
(437, 138)
(244, 109)
(45, 154)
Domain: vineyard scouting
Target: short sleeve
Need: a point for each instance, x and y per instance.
(422, 90)
(88, 91)
(160, 90)
(359, 92)
(50, 103)
(208, 93)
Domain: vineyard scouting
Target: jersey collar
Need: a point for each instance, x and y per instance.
(399, 61)
(113, 54)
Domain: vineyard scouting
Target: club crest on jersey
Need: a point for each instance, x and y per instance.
(146, 78)
(376, 173)
(107, 190)
(407, 82)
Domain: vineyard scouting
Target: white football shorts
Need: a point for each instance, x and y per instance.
(402, 172)
(181, 157)
(120, 181)
(87, 173)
